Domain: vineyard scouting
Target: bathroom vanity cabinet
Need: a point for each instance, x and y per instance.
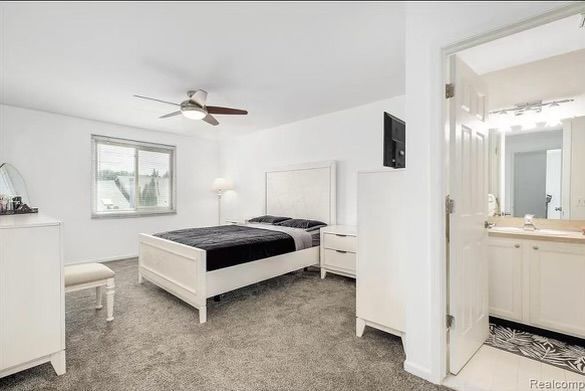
(540, 283)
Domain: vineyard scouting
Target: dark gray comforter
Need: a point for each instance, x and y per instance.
(230, 245)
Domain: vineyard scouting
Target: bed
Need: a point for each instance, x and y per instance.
(305, 191)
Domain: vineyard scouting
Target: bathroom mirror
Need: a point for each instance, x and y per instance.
(538, 171)
(12, 183)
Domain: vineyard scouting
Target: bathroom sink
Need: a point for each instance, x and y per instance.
(555, 232)
(507, 229)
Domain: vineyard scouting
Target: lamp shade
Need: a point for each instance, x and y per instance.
(222, 184)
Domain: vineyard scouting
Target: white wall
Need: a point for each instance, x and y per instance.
(429, 28)
(352, 137)
(552, 78)
(53, 153)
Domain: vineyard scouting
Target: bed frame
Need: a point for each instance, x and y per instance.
(301, 191)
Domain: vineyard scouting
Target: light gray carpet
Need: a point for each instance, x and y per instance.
(294, 332)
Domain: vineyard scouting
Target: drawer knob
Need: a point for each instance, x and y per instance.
(517, 245)
(535, 247)
(341, 251)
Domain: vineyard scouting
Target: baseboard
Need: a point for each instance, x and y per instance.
(104, 260)
(417, 370)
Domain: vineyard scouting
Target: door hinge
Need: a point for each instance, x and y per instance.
(450, 321)
(450, 205)
(449, 90)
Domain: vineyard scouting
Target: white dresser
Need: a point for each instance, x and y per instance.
(381, 250)
(32, 301)
(338, 250)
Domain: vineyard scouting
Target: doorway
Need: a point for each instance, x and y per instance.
(495, 181)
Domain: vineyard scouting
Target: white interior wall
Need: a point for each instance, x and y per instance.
(426, 34)
(552, 78)
(53, 153)
(352, 137)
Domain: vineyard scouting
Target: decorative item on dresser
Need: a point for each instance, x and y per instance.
(338, 250)
(381, 250)
(32, 302)
(13, 192)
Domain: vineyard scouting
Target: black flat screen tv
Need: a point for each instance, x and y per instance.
(394, 142)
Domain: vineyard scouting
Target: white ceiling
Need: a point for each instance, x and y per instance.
(553, 39)
(282, 62)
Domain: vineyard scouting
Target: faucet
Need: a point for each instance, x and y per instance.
(529, 223)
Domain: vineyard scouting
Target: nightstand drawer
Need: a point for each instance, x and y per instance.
(339, 242)
(339, 259)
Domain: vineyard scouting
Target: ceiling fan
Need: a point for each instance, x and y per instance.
(196, 108)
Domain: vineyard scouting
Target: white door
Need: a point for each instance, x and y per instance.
(554, 172)
(468, 270)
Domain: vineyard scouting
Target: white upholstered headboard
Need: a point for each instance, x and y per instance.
(306, 191)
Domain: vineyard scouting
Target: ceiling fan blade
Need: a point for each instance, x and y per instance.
(225, 110)
(170, 114)
(199, 97)
(156, 100)
(210, 119)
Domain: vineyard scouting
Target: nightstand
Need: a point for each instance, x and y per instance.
(338, 250)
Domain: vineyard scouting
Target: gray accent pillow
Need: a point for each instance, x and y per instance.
(268, 219)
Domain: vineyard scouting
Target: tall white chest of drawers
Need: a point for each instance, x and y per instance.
(32, 301)
(382, 247)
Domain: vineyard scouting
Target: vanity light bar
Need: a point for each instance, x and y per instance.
(536, 106)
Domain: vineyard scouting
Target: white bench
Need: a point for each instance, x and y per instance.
(92, 275)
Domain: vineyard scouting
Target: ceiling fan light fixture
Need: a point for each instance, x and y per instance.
(193, 112)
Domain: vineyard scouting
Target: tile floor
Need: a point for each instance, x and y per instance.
(493, 369)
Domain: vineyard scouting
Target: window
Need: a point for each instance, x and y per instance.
(132, 178)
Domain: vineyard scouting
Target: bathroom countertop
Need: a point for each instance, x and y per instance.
(550, 235)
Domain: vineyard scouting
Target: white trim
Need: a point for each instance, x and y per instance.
(439, 287)
(418, 370)
(104, 260)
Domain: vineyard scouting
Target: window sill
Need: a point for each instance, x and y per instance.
(122, 215)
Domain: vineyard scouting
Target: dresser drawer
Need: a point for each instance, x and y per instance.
(338, 259)
(339, 242)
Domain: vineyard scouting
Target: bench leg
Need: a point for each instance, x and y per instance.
(98, 297)
(110, 299)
